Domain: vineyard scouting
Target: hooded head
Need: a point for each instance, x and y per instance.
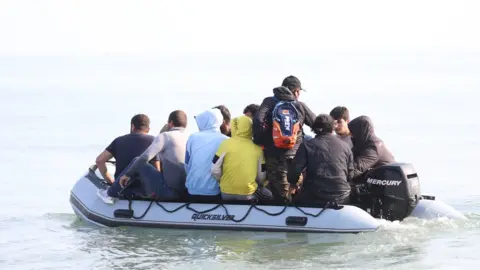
(210, 119)
(361, 129)
(283, 93)
(242, 127)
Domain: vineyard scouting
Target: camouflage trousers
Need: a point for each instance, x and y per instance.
(277, 168)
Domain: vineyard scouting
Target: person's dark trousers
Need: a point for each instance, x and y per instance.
(134, 189)
(154, 184)
(263, 194)
(277, 168)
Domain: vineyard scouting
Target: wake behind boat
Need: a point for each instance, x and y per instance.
(390, 192)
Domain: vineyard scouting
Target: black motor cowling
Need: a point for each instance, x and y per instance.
(391, 191)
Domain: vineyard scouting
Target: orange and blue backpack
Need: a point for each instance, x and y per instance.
(285, 124)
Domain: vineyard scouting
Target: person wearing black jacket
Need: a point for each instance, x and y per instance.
(329, 166)
(369, 151)
(277, 159)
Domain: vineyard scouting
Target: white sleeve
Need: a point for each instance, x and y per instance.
(217, 168)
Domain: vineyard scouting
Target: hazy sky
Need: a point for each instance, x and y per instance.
(64, 27)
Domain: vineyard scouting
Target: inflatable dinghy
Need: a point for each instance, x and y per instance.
(393, 199)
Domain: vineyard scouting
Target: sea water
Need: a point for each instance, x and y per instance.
(59, 113)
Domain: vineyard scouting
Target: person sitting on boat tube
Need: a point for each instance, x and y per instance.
(124, 149)
(369, 151)
(169, 146)
(342, 116)
(201, 147)
(239, 164)
(328, 163)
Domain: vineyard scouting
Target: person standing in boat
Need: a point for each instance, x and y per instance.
(169, 146)
(342, 116)
(328, 163)
(277, 158)
(201, 148)
(239, 164)
(369, 150)
(124, 149)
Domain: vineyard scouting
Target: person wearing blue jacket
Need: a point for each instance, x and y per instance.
(201, 148)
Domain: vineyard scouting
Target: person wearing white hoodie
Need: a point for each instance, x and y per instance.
(201, 148)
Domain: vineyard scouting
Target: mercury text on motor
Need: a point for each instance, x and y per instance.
(383, 182)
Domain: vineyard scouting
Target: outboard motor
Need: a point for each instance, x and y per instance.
(390, 192)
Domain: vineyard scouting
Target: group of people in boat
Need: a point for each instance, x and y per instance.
(262, 155)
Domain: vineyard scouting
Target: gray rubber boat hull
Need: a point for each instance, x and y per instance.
(349, 219)
(89, 207)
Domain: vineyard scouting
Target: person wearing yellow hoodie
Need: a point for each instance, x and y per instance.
(239, 164)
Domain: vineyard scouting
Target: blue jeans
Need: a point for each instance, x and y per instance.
(154, 184)
(133, 189)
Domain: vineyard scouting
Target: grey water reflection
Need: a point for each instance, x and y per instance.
(138, 248)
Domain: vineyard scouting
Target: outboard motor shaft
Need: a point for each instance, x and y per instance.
(390, 191)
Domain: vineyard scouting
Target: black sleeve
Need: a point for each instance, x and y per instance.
(112, 148)
(350, 165)
(298, 164)
(365, 160)
(260, 120)
(309, 115)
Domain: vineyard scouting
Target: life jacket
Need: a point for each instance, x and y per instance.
(285, 124)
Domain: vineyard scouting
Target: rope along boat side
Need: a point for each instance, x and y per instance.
(392, 198)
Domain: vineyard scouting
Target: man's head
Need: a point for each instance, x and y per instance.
(293, 83)
(177, 118)
(342, 117)
(251, 110)
(140, 123)
(324, 124)
(225, 127)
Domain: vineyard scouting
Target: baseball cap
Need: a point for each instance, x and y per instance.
(292, 82)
